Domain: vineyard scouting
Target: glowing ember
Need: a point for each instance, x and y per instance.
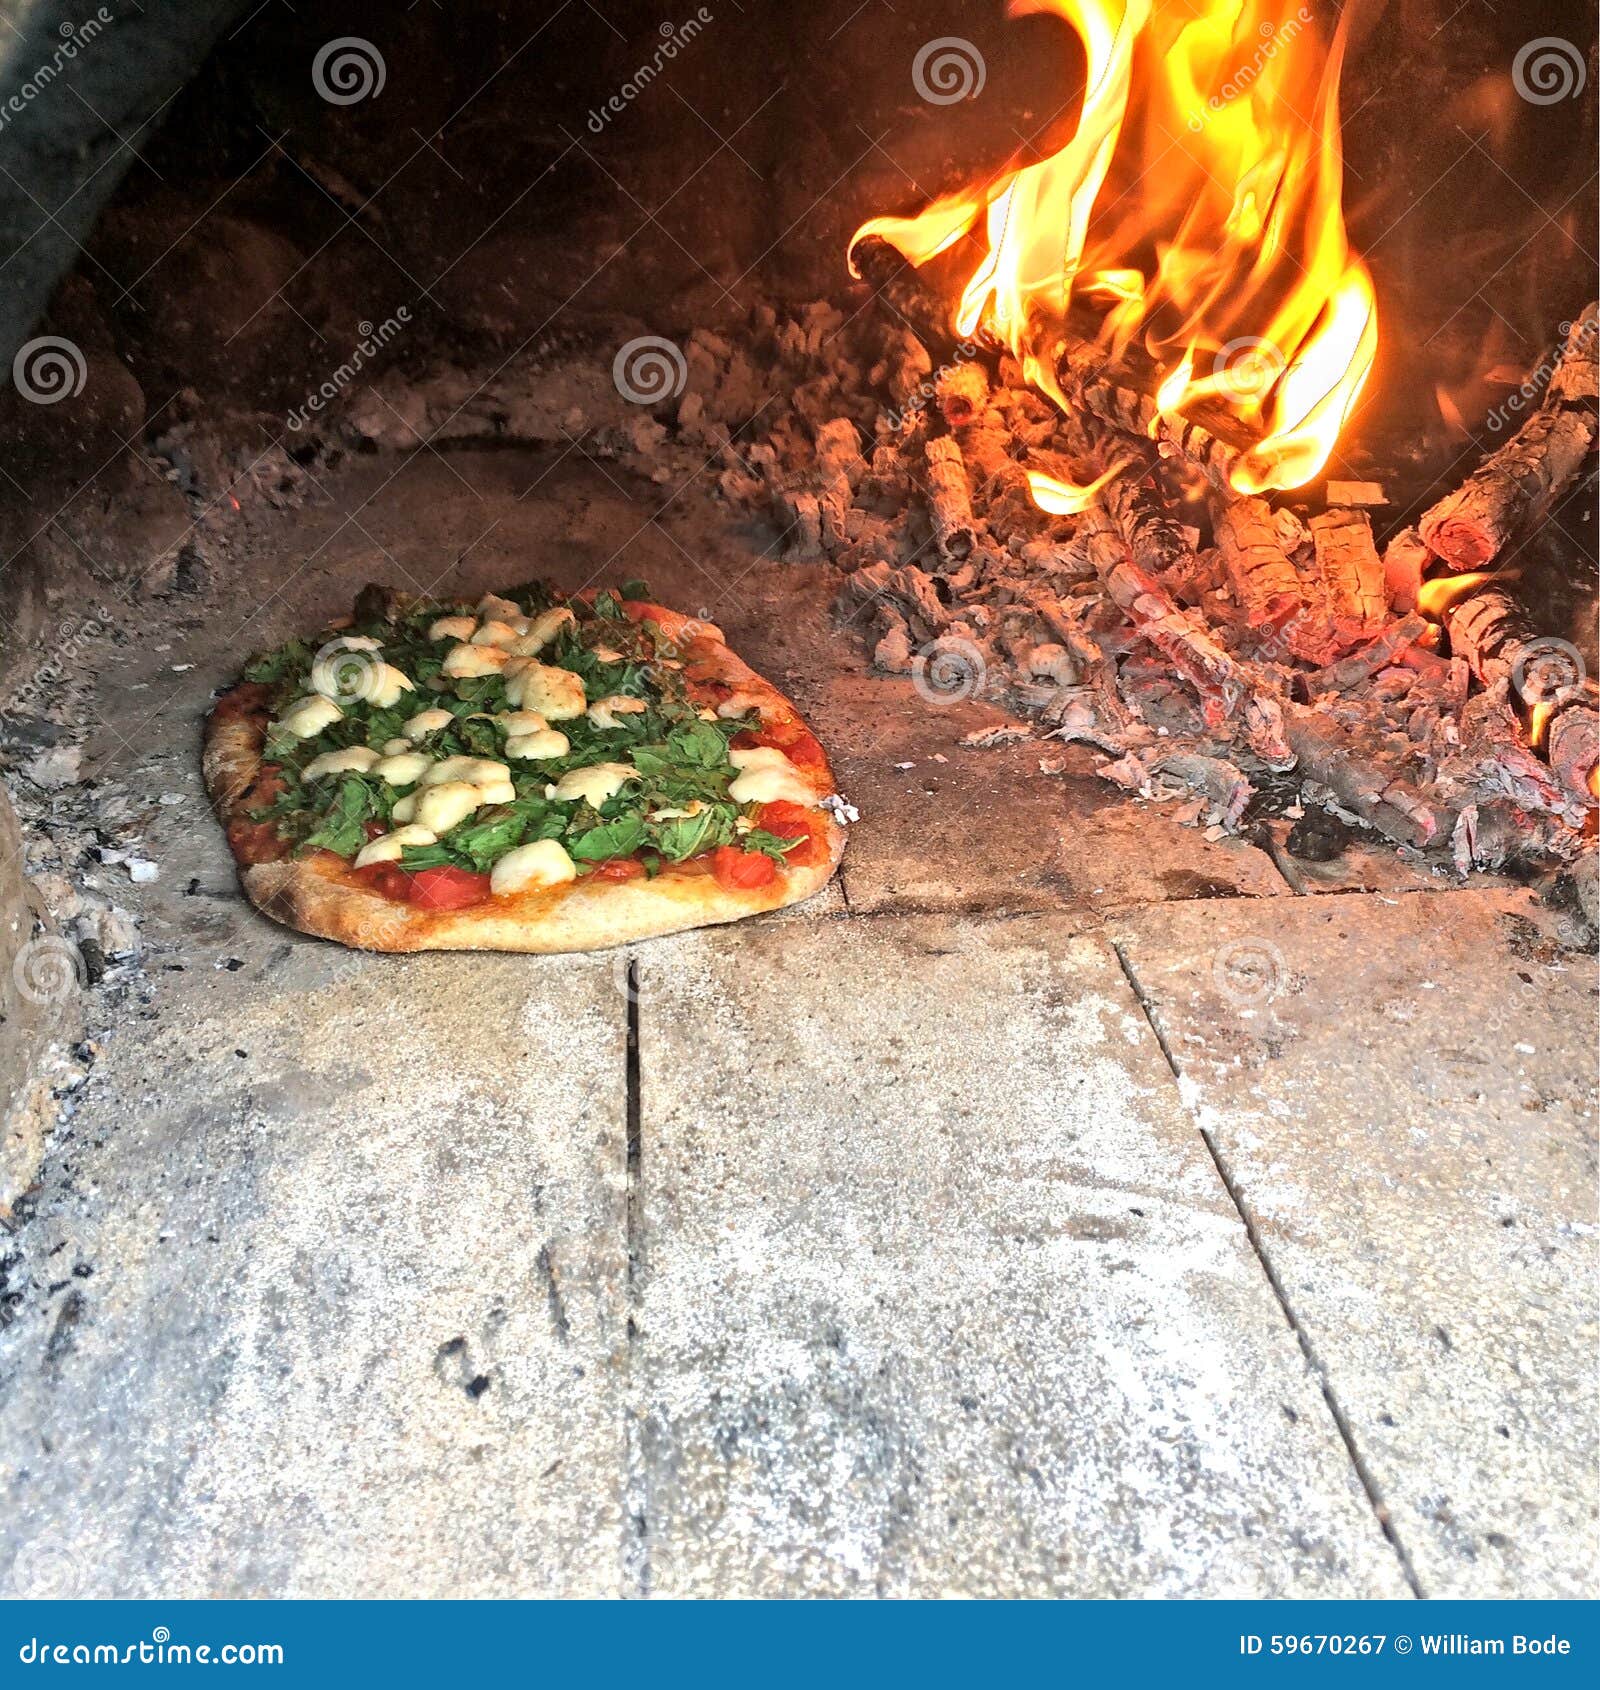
(1200, 199)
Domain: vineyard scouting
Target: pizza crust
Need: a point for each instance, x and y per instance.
(319, 895)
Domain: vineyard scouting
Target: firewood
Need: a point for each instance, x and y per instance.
(1405, 562)
(840, 468)
(1354, 773)
(1178, 634)
(961, 392)
(949, 499)
(1349, 565)
(1158, 541)
(1265, 584)
(1531, 471)
(1378, 653)
(1572, 742)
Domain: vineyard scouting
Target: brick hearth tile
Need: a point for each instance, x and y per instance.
(939, 1291)
(332, 1300)
(1403, 1094)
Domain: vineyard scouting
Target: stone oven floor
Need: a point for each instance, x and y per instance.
(967, 1230)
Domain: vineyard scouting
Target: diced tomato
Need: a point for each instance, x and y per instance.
(447, 888)
(388, 879)
(798, 744)
(788, 820)
(741, 871)
(617, 868)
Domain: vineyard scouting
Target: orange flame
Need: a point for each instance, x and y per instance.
(1067, 498)
(1201, 195)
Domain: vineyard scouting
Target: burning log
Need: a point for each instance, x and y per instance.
(1572, 742)
(1379, 653)
(1159, 543)
(1531, 471)
(949, 499)
(1492, 632)
(1265, 584)
(1354, 774)
(1405, 562)
(1349, 565)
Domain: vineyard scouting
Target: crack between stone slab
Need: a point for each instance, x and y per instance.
(1368, 1482)
(636, 1515)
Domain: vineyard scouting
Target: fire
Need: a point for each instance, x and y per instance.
(1200, 199)
(1067, 498)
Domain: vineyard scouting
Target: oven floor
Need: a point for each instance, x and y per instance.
(1059, 1204)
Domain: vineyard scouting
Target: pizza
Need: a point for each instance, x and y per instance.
(523, 773)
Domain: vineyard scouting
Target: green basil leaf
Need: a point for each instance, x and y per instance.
(619, 838)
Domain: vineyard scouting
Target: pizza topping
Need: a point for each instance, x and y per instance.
(543, 743)
(605, 711)
(480, 771)
(742, 871)
(439, 808)
(557, 694)
(517, 722)
(386, 848)
(542, 863)
(402, 768)
(593, 785)
(466, 662)
(356, 758)
(307, 717)
(426, 722)
(649, 778)
(497, 633)
(446, 888)
(766, 774)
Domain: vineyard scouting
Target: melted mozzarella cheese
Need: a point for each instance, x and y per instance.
(557, 694)
(595, 784)
(480, 771)
(307, 717)
(522, 721)
(453, 628)
(495, 633)
(405, 809)
(386, 848)
(439, 808)
(492, 607)
(426, 722)
(542, 863)
(388, 686)
(605, 711)
(543, 742)
(402, 768)
(542, 630)
(468, 662)
(356, 760)
(766, 775)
